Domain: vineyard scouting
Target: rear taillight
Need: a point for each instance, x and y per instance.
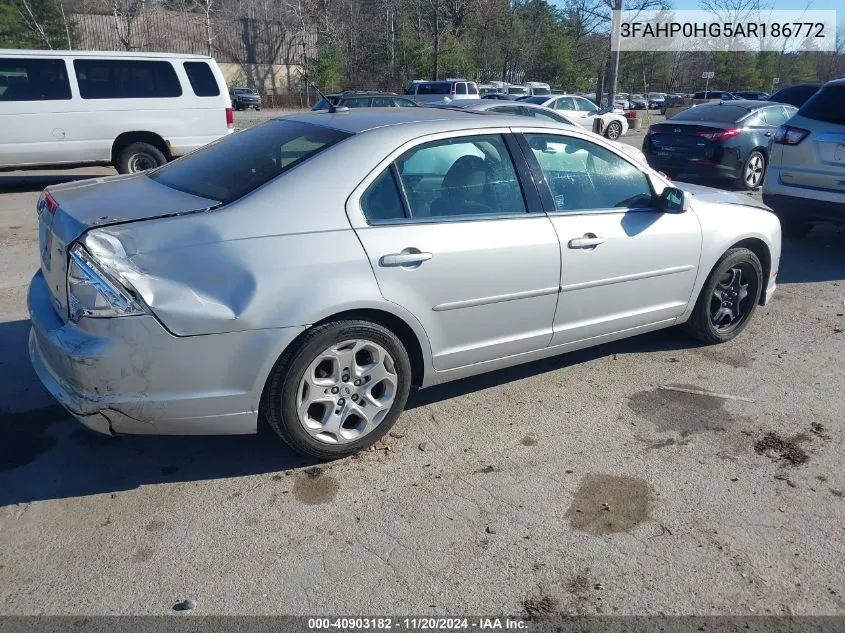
(654, 129)
(718, 135)
(788, 135)
(50, 202)
(230, 118)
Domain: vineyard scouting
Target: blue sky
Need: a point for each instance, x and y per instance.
(794, 5)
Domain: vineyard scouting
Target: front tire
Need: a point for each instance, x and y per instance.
(339, 389)
(138, 157)
(614, 130)
(728, 299)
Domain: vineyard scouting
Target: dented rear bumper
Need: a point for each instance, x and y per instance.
(130, 375)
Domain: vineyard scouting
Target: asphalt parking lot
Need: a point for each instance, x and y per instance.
(578, 484)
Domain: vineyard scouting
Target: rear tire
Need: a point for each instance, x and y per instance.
(138, 157)
(723, 296)
(313, 385)
(753, 171)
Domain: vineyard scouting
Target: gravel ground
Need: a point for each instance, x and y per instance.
(576, 484)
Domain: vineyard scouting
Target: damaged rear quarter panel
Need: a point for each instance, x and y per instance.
(283, 256)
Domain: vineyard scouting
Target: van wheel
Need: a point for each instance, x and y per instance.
(339, 389)
(137, 157)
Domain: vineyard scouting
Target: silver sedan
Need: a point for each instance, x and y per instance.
(313, 270)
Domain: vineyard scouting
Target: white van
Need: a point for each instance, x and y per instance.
(131, 110)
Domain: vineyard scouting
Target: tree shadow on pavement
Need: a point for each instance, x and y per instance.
(46, 454)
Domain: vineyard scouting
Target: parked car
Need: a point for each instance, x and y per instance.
(796, 95)
(638, 102)
(523, 108)
(806, 181)
(673, 101)
(244, 98)
(138, 310)
(518, 91)
(501, 97)
(656, 100)
(537, 88)
(621, 101)
(364, 99)
(752, 95)
(713, 95)
(131, 110)
(717, 140)
(430, 91)
(584, 112)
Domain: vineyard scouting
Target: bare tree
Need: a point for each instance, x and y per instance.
(126, 14)
(32, 22)
(207, 7)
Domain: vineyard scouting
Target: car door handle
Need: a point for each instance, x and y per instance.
(588, 241)
(405, 258)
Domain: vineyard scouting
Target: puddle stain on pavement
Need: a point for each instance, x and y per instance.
(684, 413)
(313, 487)
(608, 504)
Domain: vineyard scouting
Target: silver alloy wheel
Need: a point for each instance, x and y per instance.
(754, 170)
(614, 130)
(347, 390)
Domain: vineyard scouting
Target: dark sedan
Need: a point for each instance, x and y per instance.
(717, 140)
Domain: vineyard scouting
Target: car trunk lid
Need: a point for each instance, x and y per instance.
(67, 211)
(689, 139)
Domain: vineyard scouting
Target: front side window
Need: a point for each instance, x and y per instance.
(585, 106)
(460, 89)
(584, 176)
(126, 79)
(230, 168)
(24, 79)
(202, 80)
(565, 103)
(466, 176)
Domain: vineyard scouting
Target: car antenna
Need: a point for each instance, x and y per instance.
(332, 106)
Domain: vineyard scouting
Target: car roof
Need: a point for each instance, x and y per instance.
(836, 82)
(414, 120)
(130, 54)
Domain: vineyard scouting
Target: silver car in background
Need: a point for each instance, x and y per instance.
(347, 257)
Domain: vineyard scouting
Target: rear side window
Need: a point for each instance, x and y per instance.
(774, 116)
(232, 167)
(126, 79)
(382, 201)
(357, 103)
(472, 89)
(826, 105)
(716, 113)
(202, 79)
(33, 80)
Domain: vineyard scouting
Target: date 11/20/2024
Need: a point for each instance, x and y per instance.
(418, 624)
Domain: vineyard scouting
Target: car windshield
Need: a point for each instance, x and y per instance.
(234, 166)
(244, 91)
(542, 91)
(434, 88)
(517, 90)
(537, 100)
(716, 113)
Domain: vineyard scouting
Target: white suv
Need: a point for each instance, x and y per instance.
(805, 182)
(448, 90)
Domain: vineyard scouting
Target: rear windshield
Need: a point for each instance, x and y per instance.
(542, 91)
(238, 164)
(716, 113)
(438, 88)
(826, 105)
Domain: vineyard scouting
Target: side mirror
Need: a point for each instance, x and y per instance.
(674, 200)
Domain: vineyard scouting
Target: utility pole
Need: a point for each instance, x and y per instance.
(619, 5)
